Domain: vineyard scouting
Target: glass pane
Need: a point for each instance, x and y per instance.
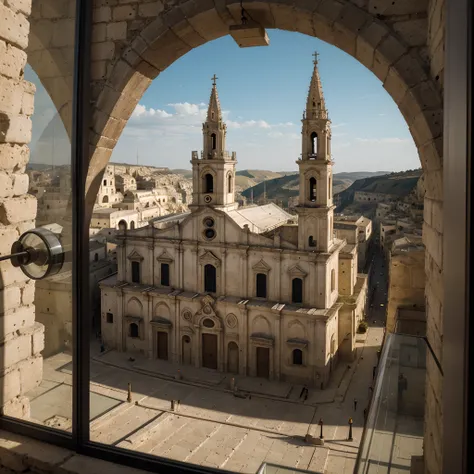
(35, 289)
(394, 430)
(255, 339)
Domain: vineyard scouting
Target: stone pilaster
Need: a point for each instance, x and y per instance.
(21, 339)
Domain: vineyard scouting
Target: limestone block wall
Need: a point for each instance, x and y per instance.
(21, 339)
(433, 240)
(406, 285)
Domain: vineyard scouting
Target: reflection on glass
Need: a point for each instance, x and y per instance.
(38, 322)
(394, 430)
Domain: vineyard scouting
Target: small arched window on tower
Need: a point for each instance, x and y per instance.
(210, 278)
(297, 290)
(229, 183)
(213, 141)
(311, 241)
(333, 280)
(330, 187)
(312, 189)
(297, 357)
(314, 144)
(208, 183)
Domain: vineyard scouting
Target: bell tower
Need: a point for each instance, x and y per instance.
(315, 205)
(214, 170)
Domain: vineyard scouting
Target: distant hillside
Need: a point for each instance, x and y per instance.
(397, 184)
(186, 173)
(355, 175)
(282, 188)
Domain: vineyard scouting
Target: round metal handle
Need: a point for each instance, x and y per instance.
(38, 252)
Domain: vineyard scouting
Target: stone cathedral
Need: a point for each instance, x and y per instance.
(248, 290)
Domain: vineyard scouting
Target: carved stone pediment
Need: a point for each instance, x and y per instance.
(209, 258)
(207, 312)
(135, 256)
(261, 267)
(165, 257)
(297, 272)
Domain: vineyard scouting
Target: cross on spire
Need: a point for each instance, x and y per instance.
(214, 78)
(315, 54)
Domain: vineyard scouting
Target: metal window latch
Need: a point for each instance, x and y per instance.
(38, 252)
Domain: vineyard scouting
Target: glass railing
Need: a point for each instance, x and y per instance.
(393, 436)
(267, 468)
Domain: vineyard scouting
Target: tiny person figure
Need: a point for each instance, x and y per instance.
(402, 386)
(355, 404)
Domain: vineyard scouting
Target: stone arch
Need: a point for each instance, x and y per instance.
(362, 32)
(161, 310)
(296, 330)
(50, 53)
(134, 307)
(261, 325)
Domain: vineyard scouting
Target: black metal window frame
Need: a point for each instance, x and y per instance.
(79, 440)
(458, 304)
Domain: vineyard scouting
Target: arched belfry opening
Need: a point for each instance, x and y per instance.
(208, 183)
(312, 189)
(213, 141)
(229, 183)
(314, 144)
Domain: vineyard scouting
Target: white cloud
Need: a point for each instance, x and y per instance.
(337, 125)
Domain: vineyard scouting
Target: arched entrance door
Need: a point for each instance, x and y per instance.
(233, 358)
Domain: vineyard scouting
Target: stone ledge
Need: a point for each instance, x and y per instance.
(22, 454)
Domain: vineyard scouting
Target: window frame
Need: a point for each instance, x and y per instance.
(460, 200)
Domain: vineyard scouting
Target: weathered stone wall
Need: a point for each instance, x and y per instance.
(21, 339)
(406, 285)
(433, 240)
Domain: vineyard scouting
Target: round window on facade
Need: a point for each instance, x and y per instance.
(209, 234)
(186, 339)
(208, 323)
(209, 222)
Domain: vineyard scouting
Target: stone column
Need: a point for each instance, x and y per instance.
(21, 338)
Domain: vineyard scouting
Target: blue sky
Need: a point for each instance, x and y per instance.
(263, 94)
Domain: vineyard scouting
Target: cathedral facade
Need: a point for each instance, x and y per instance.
(249, 290)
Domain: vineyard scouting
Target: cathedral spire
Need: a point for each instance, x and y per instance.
(315, 105)
(214, 113)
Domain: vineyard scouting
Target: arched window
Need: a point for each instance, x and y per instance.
(311, 241)
(134, 330)
(312, 189)
(135, 272)
(330, 187)
(105, 199)
(165, 274)
(96, 257)
(333, 280)
(297, 290)
(132, 225)
(213, 141)
(314, 143)
(105, 182)
(122, 225)
(297, 357)
(229, 183)
(210, 278)
(208, 183)
(261, 284)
